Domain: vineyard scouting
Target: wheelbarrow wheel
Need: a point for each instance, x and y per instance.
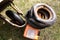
(15, 17)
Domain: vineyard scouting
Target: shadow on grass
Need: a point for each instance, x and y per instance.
(8, 32)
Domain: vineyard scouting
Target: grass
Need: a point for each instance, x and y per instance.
(8, 32)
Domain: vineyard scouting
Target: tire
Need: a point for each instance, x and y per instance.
(15, 17)
(38, 22)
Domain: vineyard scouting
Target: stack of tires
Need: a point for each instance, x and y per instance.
(41, 16)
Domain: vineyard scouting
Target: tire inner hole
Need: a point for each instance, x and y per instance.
(44, 14)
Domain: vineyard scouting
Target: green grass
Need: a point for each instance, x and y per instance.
(8, 32)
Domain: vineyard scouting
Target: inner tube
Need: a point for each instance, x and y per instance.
(41, 16)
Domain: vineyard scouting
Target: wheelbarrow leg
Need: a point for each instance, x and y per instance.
(31, 32)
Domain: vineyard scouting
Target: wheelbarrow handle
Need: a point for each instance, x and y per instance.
(16, 8)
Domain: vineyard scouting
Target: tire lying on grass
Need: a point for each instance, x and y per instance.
(16, 19)
(41, 16)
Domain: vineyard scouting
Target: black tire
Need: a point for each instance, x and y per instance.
(52, 18)
(14, 16)
(38, 22)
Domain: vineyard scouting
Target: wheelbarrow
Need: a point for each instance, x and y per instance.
(13, 14)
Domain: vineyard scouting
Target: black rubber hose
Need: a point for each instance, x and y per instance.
(15, 17)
